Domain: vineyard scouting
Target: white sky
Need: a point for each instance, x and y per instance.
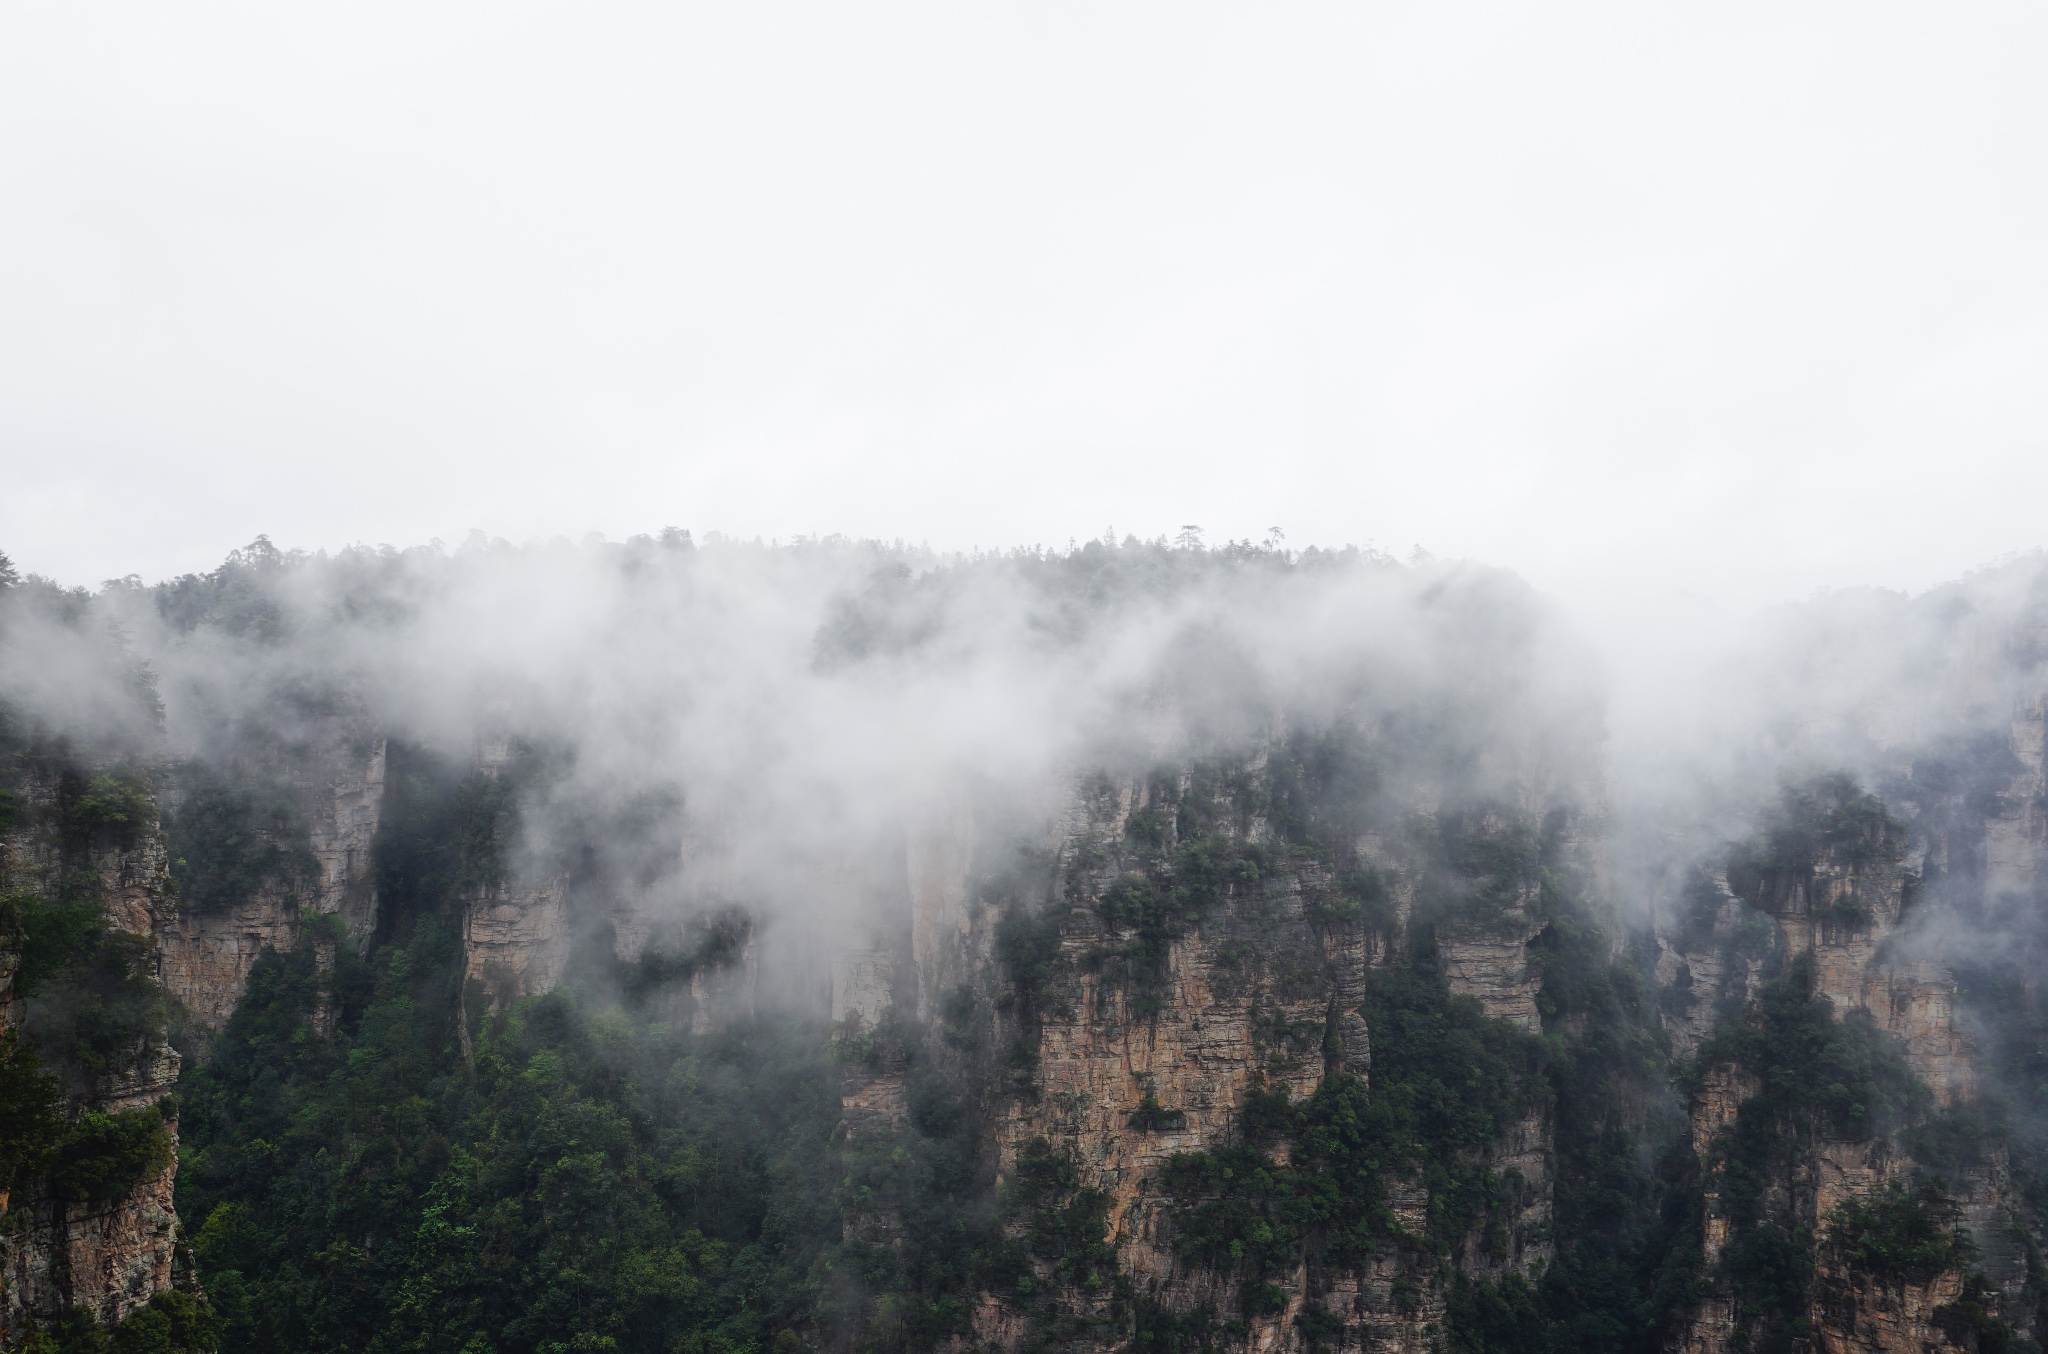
(1744, 299)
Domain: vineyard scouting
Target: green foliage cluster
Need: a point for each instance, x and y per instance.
(233, 835)
(595, 1182)
(1064, 1223)
(597, 1178)
(1148, 910)
(1973, 1322)
(1827, 816)
(932, 1190)
(1817, 1070)
(1153, 1117)
(1901, 1232)
(89, 1003)
(31, 1122)
(47, 934)
(236, 598)
(173, 1322)
(1197, 843)
(1027, 949)
(1625, 1212)
(1487, 863)
(93, 1001)
(103, 1156)
(111, 810)
(1446, 1082)
(1625, 1222)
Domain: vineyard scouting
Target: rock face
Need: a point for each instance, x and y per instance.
(208, 952)
(515, 937)
(1854, 1315)
(515, 916)
(1490, 963)
(107, 1256)
(1843, 895)
(1709, 963)
(1134, 1059)
(1842, 911)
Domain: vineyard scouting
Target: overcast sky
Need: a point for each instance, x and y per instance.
(1743, 299)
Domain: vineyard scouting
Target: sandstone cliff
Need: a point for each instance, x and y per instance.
(209, 950)
(85, 853)
(1782, 1158)
(1140, 1034)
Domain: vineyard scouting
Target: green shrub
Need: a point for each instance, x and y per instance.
(1153, 1117)
(75, 1331)
(1063, 1221)
(109, 810)
(1972, 1322)
(232, 838)
(98, 1007)
(172, 1323)
(48, 934)
(1828, 816)
(103, 1156)
(1817, 1074)
(1842, 1073)
(1899, 1233)
(29, 1121)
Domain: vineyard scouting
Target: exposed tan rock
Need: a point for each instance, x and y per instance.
(515, 938)
(343, 835)
(1522, 1159)
(1847, 917)
(1722, 1091)
(107, 1257)
(1860, 1314)
(862, 984)
(1259, 996)
(1712, 1329)
(1491, 962)
(207, 955)
(1699, 973)
(936, 856)
(723, 995)
(1842, 914)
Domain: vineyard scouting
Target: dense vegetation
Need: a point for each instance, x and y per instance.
(594, 1176)
(591, 1179)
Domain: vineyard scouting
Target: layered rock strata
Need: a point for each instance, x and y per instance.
(208, 953)
(1843, 912)
(1130, 1069)
(105, 1256)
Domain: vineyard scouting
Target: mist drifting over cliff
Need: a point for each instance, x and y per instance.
(1141, 944)
(765, 716)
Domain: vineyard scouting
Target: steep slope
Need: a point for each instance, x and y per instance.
(90, 1231)
(1837, 1117)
